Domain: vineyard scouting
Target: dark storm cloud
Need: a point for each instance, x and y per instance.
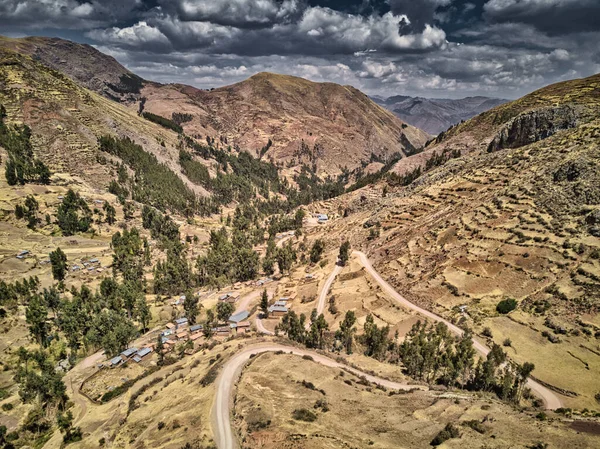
(551, 16)
(446, 48)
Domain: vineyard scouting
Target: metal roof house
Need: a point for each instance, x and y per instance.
(143, 352)
(196, 327)
(240, 316)
(115, 361)
(278, 310)
(129, 352)
(322, 217)
(181, 322)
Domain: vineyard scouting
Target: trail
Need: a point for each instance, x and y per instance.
(221, 412)
(551, 400)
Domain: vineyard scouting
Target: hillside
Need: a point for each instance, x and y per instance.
(434, 115)
(520, 221)
(324, 123)
(67, 120)
(526, 120)
(83, 63)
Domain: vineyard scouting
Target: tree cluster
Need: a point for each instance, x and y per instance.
(22, 166)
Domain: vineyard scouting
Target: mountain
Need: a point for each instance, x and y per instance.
(505, 206)
(324, 123)
(435, 115)
(81, 62)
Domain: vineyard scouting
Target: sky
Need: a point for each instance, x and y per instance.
(431, 48)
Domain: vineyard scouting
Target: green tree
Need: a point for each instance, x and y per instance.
(31, 211)
(37, 318)
(286, 256)
(344, 253)
(264, 303)
(58, 259)
(224, 310)
(191, 306)
(317, 250)
(143, 313)
(346, 332)
(159, 350)
(73, 214)
(110, 212)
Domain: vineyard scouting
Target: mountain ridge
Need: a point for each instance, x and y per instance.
(324, 123)
(435, 115)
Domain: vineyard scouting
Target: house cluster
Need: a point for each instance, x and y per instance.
(134, 354)
(180, 331)
(89, 265)
(281, 306)
(230, 297)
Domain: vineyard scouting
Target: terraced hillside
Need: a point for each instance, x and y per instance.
(67, 120)
(519, 223)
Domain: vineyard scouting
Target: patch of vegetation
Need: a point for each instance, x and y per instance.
(155, 183)
(450, 431)
(303, 414)
(73, 215)
(476, 425)
(506, 305)
(163, 121)
(22, 166)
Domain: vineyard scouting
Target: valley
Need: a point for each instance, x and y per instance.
(284, 264)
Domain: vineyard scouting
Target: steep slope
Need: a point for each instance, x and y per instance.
(521, 221)
(83, 63)
(435, 115)
(339, 125)
(324, 123)
(531, 118)
(67, 120)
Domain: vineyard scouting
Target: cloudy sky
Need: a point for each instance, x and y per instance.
(436, 48)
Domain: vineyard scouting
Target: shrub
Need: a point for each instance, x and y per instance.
(302, 414)
(507, 305)
(450, 431)
(161, 425)
(487, 332)
(7, 407)
(507, 342)
(476, 425)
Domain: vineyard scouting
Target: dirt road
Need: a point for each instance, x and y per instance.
(221, 413)
(261, 329)
(551, 400)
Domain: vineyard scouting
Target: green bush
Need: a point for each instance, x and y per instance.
(450, 431)
(507, 305)
(302, 414)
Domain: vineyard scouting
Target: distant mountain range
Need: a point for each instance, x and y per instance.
(325, 123)
(434, 115)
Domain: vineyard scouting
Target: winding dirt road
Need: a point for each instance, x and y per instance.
(551, 400)
(221, 413)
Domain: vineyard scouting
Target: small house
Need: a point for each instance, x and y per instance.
(143, 352)
(181, 322)
(222, 331)
(240, 316)
(170, 326)
(196, 328)
(182, 335)
(129, 352)
(115, 361)
(242, 327)
(277, 310)
(322, 218)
